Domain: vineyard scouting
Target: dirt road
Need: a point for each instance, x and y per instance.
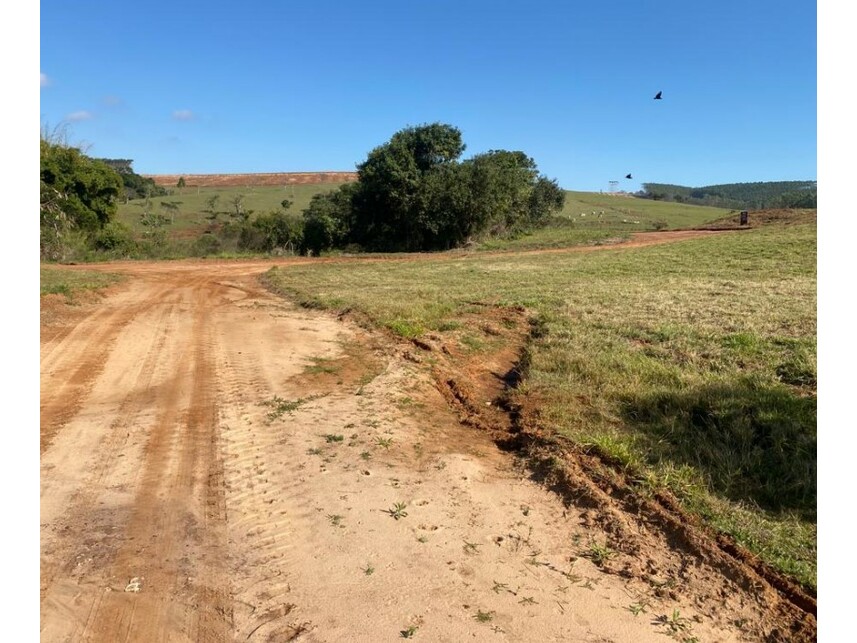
(219, 465)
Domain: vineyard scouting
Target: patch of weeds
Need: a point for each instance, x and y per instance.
(501, 587)
(408, 632)
(398, 510)
(525, 510)
(637, 608)
(598, 553)
(314, 451)
(516, 540)
(280, 406)
(528, 600)
(472, 343)
(335, 519)
(331, 437)
(534, 559)
(369, 569)
(675, 623)
(384, 442)
(422, 539)
(471, 548)
(320, 365)
(484, 617)
(365, 455)
(573, 578)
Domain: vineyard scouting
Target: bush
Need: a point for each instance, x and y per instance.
(115, 238)
(275, 231)
(207, 244)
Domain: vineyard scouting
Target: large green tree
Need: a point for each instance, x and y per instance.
(391, 206)
(413, 194)
(77, 193)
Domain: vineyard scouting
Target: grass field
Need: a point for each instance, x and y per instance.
(692, 364)
(621, 214)
(193, 214)
(65, 282)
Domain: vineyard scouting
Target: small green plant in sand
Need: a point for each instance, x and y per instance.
(398, 510)
(483, 617)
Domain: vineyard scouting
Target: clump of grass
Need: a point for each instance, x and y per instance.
(405, 328)
(409, 632)
(398, 510)
(321, 365)
(471, 548)
(384, 442)
(59, 281)
(484, 617)
(333, 437)
(280, 406)
(674, 623)
(598, 553)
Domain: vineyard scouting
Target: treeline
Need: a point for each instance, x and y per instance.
(134, 185)
(743, 196)
(412, 194)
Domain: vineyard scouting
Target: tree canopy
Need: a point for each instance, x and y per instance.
(83, 189)
(413, 194)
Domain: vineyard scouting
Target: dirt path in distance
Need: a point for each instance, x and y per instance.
(220, 465)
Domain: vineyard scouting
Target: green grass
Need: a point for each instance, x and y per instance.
(624, 211)
(692, 365)
(192, 214)
(622, 215)
(70, 282)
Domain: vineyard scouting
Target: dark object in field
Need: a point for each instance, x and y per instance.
(628, 176)
(658, 96)
(745, 217)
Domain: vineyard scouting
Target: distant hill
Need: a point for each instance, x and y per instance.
(744, 196)
(252, 180)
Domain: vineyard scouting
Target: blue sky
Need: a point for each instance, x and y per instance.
(213, 87)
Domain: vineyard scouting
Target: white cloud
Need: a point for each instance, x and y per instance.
(44, 81)
(81, 115)
(183, 115)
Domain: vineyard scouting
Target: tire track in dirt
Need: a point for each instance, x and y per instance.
(70, 512)
(74, 362)
(175, 544)
(264, 511)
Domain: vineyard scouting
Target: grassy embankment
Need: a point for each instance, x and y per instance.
(58, 281)
(693, 364)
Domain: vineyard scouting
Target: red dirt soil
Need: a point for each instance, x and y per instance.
(220, 465)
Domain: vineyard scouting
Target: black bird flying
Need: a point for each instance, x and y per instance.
(658, 96)
(628, 176)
